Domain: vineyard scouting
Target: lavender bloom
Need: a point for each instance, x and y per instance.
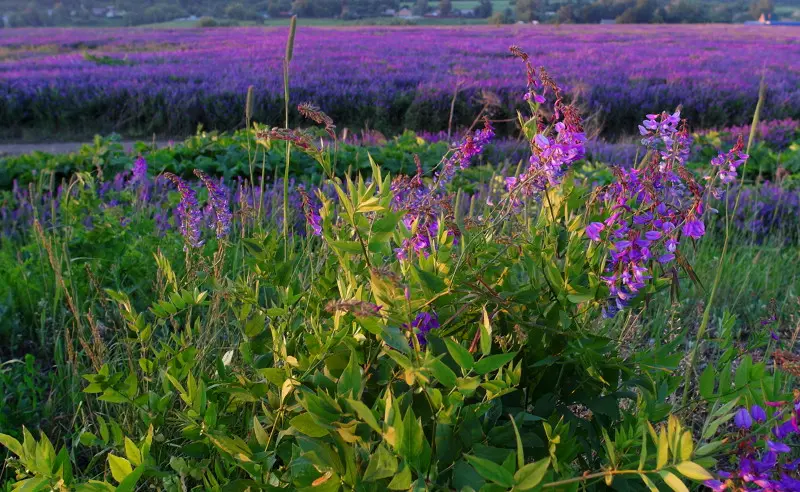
(778, 447)
(594, 229)
(742, 419)
(694, 228)
(471, 146)
(188, 212)
(758, 413)
(728, 163)
(424, 323)
(139, 170)
(218, 199)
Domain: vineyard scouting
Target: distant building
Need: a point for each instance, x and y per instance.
(608, 21)
(404, 13)
(389, 12)
(767, 21)
(467, 12)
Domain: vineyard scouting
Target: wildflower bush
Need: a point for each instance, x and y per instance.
(365, 331)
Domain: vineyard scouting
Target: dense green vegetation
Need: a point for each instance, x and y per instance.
(275, 309)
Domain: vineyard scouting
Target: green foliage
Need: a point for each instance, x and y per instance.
(255, 363)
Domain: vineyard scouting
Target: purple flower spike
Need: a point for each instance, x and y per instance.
(188, 212)
(694, 228)
(758, 413)
(218, 198)
(778, 447)
(594, 229)
(424, 323)
(742, 419)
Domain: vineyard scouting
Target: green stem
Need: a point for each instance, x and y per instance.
(701, 331)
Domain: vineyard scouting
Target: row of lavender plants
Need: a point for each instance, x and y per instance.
(393, 332)
(141, 81)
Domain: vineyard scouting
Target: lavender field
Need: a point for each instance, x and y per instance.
(145, 81)
(520, 258)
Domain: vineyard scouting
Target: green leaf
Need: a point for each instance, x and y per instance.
(431, 282)
(353, 247)
(410, 440)
(673, 481)
(306, 424)
(12, 444)
(493, 362)
(648, 483)
(687, 446)
(663, 450)
(486, 335)
(261, 434)
(88, 439)
(35, 484)
(129, 484)
(350, 380)
(492, 471)
(382, 464)
(442, 373)
(531, 474)
(520, 450)
(459, 354)
(365, 414)
(707, 382)
(402, 480)
(132, 453)
(120, 467)
(708, 449)
(693, 471)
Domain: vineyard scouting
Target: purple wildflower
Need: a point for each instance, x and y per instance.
(694, 228)
(188, 212)
(742, 419)
(139, 170)
(424, 323)
(594, 229)
(758, 413)
(727, 164)
(778, 447)
(218, 199)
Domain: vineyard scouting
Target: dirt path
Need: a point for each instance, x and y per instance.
(7, 149)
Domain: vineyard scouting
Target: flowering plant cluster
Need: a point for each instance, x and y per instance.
(763, 458)
(412, 339)
(654, 207)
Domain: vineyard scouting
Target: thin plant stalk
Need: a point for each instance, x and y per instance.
(701, 331)
(286, 61)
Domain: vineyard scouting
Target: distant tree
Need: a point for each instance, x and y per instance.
(758, 7)
(565, 14)
(237, 10)
(685, 12)
(528, 10)
(421, 7)
(445, 7)
(644, 12)
(277, 7)
(484, 9)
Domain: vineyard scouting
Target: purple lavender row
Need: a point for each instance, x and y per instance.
(677, 65)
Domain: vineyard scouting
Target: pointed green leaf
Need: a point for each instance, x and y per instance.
(491, 471)
(531, 474)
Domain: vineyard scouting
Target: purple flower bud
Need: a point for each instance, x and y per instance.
(758, 413)
(778, 447)
(742, 419)
(694, 228)
(424, 323)
(594, 229)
